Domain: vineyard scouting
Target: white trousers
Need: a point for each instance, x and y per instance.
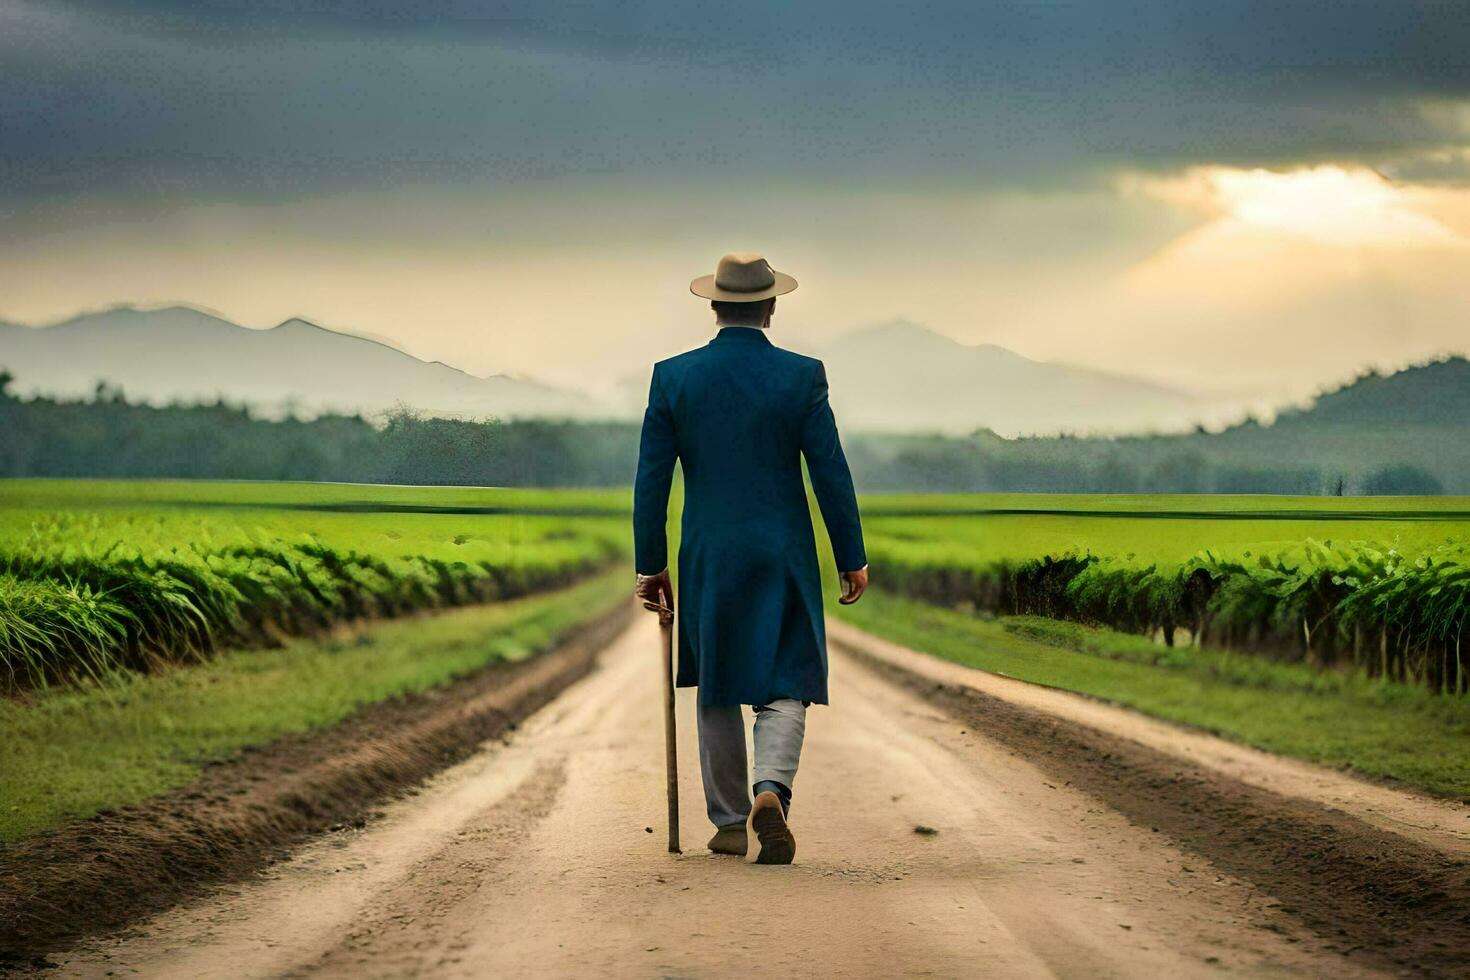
(779, 729)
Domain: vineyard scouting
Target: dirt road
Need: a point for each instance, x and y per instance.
(532, 859)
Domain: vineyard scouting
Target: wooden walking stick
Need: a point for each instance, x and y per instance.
(671, 758)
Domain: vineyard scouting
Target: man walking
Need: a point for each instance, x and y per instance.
(739, 414)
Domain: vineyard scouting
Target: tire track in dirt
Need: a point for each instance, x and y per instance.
(386, 935)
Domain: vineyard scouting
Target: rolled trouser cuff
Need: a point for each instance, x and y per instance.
(786, 777)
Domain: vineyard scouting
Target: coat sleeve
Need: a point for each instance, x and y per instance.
(831, 479)
(657, 451)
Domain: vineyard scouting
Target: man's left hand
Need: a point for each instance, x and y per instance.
(657, 593)
(854, 584)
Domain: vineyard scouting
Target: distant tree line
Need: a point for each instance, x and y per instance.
(109, 436)
(1198, 463)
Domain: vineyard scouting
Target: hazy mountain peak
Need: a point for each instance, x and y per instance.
(298, 323)
(898, 326)
(135, 313)
(907, 333)
(902, 376)
(179, 353)
(178, 319)
(897, 331)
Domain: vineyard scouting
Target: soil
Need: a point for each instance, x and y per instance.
(1439, 823)
(943, 832)
(247, 811)
(1385, 896)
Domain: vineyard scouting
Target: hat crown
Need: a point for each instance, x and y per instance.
(743, 277)
(744, 272)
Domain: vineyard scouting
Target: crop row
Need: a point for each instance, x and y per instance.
(73, 611)
(1351, 606)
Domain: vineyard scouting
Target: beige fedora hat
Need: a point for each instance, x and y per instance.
(743, 277)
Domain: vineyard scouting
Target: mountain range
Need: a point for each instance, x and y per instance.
(894, 377)
(902, 377)
(182, 354)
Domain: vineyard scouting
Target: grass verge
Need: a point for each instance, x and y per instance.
(67, 753)
(1378, 729)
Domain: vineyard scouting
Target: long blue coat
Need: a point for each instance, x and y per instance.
(739, 414)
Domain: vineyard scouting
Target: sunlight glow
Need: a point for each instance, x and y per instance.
(1351, 207)
(1329, 205)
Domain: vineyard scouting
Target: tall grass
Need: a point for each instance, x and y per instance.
(71, 605)
(49, 622)
(1355, 605)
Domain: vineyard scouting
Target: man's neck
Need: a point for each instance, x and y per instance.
(751, 326)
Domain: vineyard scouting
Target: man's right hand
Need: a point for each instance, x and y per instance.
(657, 593)
(853, 585)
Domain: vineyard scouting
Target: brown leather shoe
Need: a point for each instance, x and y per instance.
(768, 820)
(730, 840)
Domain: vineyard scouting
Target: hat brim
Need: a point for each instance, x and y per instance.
(705, 286)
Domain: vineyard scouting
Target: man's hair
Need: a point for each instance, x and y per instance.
(727, 311)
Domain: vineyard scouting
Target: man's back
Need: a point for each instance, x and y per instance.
(739, 414)
(739, 404)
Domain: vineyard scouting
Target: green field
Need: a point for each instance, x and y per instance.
(1219, 505)
(499, 527)
(980, 528)
(53, 495)
(150, 626)
(68, 752)
(1376, 728)
(1379, 586)
(946, 550)
(100, 575)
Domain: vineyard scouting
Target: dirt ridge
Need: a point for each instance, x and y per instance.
(1371, 892)
(112, 869)
(1434, 821)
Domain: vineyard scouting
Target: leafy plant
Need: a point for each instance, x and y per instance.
(82, 597)
(1356, 606)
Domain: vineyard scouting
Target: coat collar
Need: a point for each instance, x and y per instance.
(747, 334)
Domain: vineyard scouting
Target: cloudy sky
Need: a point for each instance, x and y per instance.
(1246, 196)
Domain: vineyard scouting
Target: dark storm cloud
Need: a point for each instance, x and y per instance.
(299, 96)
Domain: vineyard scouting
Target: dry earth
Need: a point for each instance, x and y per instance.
(544, 856)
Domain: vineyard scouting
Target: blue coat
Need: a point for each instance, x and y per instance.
(739, 414)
